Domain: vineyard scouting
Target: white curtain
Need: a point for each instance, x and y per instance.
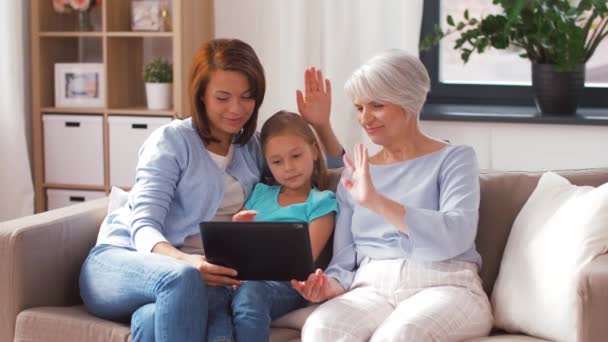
(16, 189)
(335, 35)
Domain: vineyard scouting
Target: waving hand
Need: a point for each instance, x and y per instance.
(360, 184)
(315, 103)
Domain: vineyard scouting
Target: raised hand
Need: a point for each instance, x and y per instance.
(244, 216)
(360, 184)
(315, 103)
(318, 287)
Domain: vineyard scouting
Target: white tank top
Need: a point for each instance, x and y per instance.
(233, 201)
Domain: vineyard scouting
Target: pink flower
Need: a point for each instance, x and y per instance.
(80, 5)
(61, 6)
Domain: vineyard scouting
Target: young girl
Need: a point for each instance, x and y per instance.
(296, 193)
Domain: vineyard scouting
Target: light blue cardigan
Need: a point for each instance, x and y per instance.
(177, 186)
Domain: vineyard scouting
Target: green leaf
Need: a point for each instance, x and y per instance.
(550, 31)
(466, 54)
(450, 20)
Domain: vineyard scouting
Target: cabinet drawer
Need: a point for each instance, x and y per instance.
(73, 149)
(127, 134)
(57, 198)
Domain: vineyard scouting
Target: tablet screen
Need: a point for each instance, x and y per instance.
(260, 250)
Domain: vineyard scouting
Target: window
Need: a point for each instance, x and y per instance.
(497, 77)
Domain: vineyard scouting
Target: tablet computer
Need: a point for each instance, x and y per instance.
(260, 250)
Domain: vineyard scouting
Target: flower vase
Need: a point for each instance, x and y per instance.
(84, 21)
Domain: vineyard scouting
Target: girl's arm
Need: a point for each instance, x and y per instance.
(321, 286)
(320, 230)
(315, 105)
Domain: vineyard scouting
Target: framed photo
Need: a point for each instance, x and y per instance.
(145, 15)
(79, 85)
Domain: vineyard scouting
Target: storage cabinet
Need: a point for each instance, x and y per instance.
(73, 148)
(127, 134)
(57, 198)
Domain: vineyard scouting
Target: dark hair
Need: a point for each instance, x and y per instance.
(284, 121)
(229, 55)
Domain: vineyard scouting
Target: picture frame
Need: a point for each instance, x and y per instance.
(146, 15)
(79, 85)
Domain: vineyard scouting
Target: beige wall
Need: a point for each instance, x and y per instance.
(529, 147)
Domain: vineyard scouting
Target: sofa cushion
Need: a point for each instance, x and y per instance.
(118, 198)
(74, 323)
(507, 338)
(284, 335)
(560, 229)
(71, 323)
(294, 319)
(503, 194)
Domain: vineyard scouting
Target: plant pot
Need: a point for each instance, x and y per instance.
(159, 95)
(557, 92)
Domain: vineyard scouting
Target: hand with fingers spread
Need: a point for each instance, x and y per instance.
(244, 216)
(360, 183)
(315, 103)
(213, 275)
(318, 287)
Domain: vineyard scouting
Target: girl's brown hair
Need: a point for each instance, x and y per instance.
(288, 122)
(229, 55)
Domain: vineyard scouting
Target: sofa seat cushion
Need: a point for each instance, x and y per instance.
(284, 335)
(507, 338)
(294, 319)
(72, 323)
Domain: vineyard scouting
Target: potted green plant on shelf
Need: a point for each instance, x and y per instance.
(158, 76)
(557, 36)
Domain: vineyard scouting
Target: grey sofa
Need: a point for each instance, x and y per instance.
(40, 258)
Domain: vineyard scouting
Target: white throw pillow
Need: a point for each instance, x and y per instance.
(560, 229)
(118, 198)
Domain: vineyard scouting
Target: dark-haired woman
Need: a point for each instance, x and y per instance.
(148, 266)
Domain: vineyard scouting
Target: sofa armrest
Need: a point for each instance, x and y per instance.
(40, 259)
(592, 301)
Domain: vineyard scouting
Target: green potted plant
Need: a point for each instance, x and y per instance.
(557, 36)
(158, 76)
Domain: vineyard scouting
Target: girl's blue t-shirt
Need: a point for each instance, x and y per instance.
(265, 200)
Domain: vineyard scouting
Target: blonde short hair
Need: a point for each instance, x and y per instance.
(393, 76)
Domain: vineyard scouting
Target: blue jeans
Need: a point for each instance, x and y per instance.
(165, 299)
(246, 313)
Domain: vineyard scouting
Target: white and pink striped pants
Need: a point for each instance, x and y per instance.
(401, 300)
